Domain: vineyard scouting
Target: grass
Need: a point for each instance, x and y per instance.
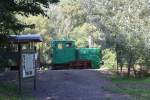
(128, 86)
(10, 92)
(130, 80)
(136, 94)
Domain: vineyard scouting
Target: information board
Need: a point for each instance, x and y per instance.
(28, 65)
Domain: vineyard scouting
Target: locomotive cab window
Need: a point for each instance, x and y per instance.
(68, 45)
(60, 46)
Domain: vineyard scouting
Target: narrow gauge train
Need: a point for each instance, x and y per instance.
(65, 55)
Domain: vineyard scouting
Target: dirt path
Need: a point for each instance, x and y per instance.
(74, 85)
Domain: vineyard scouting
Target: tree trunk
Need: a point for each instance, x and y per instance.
(135, 72)
(116, 49)
(121, 66)
(141, 71)
(117, 67)
(130, 65)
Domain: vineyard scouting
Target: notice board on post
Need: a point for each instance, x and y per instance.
(28, 65)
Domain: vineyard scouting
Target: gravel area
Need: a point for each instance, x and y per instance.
(74, 85)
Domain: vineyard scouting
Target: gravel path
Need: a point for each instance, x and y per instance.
(74, 85)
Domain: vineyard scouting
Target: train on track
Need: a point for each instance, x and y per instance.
(65, 55)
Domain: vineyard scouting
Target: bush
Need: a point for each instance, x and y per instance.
(109, 58)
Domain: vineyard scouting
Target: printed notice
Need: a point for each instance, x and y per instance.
(28, 65)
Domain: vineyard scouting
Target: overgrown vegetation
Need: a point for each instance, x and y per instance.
(10, 92)
(138, 89)
(9, 8)
(120, 28)
(9, 22)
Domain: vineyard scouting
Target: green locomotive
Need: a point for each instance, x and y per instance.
(66, 56)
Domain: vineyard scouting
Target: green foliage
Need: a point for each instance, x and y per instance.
(125, 80)
(120, 25)
(109, 58)
(80, 34)
(64, 17)
(42, 28)
(10, 92)
(9, 23)
(136, 88)
(124, 24)
(135, 93)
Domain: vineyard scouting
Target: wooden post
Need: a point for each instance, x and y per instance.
(20, 68)
(35, 59)
(35, 79)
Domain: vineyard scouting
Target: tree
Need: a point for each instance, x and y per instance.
(64, 17)
(42, 28)
(80, 35)
(125, 26)
(9, 8)
(120, 26)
